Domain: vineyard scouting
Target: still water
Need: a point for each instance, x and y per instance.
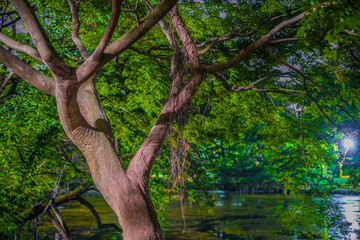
(234, 216)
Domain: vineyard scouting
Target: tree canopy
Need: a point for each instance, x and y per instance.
(176, 93)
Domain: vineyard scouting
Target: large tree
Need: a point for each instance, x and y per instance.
(205, 40)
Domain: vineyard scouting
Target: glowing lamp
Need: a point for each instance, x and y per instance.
(348, 143)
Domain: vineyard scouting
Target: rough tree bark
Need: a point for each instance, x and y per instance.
(84, 120)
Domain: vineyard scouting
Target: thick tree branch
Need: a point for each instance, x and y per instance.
(74, 9)
(177, 73)
(114, 18)
(144, 158)
(190, 50)
(89, 67)
(141, 164)
(41, 40)
(38, 209)
(254, 46)
(20, 47)
(26, 72)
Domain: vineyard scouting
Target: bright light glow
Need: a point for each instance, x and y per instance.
(348, 143)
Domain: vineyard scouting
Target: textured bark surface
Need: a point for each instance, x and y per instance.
(86, 124)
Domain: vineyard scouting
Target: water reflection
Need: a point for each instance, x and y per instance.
(234, 216)
(350, 206)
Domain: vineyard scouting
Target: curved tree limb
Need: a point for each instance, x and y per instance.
(6, 82)
(90, 66)
(238, 89)
(26, 72)
(38, 209)
(253, 84)
(317, 85)
(20, 47)
(114, 18)
(225, 37)
(61, 220)
(57, 226)
(252, 47)
(47, 52)
(99, 224)
(74, 9)
(141, 164)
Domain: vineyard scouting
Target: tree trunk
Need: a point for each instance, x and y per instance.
(86, 124)
(138, 216)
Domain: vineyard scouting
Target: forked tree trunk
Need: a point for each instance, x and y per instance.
(86, 124)
(84, 121)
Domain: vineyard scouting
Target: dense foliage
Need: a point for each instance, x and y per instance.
(281, 131)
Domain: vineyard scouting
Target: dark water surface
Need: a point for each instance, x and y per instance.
(234, 216)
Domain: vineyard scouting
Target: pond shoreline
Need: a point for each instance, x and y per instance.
(234, 216)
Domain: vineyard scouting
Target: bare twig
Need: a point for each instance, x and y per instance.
(253, 84)
(169, 34)
(74, 8)
(225, 37)
(57, 226)
(61, 220)
(6, 82)
(284, 15)
(136, 13)
(146, 53)
(310, 80)
(100, 225)
(303, 142)
(282, 40)
(252, 47)
(126, 156)
(3, 13)
(347, 31)
(11, 22)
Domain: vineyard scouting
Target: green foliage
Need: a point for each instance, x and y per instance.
(30, 162)
(225, 139)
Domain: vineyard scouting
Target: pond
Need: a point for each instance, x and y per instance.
(234, 216)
